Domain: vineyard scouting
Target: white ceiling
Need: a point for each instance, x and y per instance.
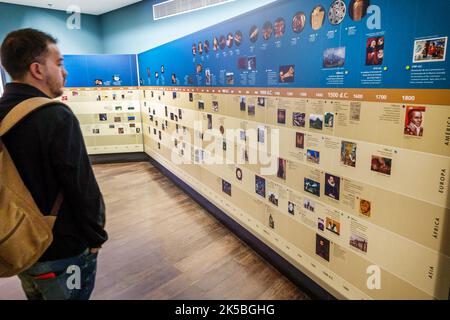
(95, 7)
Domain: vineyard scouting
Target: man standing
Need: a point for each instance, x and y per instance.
(48, 150)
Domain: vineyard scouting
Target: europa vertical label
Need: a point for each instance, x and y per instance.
(442, 180)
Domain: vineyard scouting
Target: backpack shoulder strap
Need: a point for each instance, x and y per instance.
(21, 110)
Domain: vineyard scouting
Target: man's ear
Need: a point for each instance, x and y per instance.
(36, 71)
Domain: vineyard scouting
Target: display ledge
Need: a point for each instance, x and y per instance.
(301, 280)
(119, 157)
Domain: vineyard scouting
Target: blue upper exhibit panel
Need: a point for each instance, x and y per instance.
(101, 70)
(312, 44)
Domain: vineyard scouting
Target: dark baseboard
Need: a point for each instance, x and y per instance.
(119, 157)
(302, 281)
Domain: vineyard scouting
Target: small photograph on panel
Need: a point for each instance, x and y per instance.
(208, 77)
(172, 116)
(111, 126)
(261, 134)
(253, 34)
(334, 57)
(374, 51)
(273, 198)
(430, 50)
(95, 131)
(267, 30)
(226, 187)
(251, 63)
(291, 208)
(329, 120)
(98, 82)
(131, 118)
(279, 27)
(348, 153)
(132, 125)
(251, 110)
(121, 130)
(337, 12)
(260, 186)
(230, 39)
(357, 9)
(355, 111)
(117, 119)
(414, 119)
(300, 140)
(200, 47)
(281, 173)
(312, 187)
(309, 205)
(99, 98)
(243, 136)
(222, 42)
(320, 224)
(333, 226)
(174, 95)
(159, 135)
(166, 111)
(215, 106)
(316, 121)
(332, 186)
(322, 247)
(271, 222)
(365, 207)
(238, 38)
(358, 242)
(298, 119)
(313, 156)
(194, 49)
(103, 117)
(298, 22)
(215, 44)
(199, 68)
(209, 117)
(261, 102)
(191, 97)
(138, 130)
(230, 78)
(243, 103)
(242, 63)
(206, 46)
(281, 116)
(317, 17)
(381, 165)
(201, 105)
(287, 74)
(239, 174)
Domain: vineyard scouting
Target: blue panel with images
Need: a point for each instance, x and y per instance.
(312, 44)
(101, 70)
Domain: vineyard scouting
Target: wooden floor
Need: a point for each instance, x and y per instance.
(163, 245)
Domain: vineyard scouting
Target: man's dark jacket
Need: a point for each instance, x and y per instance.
(48, 150)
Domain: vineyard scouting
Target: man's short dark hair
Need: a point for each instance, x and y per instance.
(21, 48)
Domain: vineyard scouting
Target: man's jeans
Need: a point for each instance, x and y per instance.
(66, 279)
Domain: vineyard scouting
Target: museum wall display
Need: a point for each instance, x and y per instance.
(102, 91)
(322, 127)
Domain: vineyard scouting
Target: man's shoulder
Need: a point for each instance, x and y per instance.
(57, 111)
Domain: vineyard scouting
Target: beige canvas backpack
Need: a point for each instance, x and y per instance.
(25, 233)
